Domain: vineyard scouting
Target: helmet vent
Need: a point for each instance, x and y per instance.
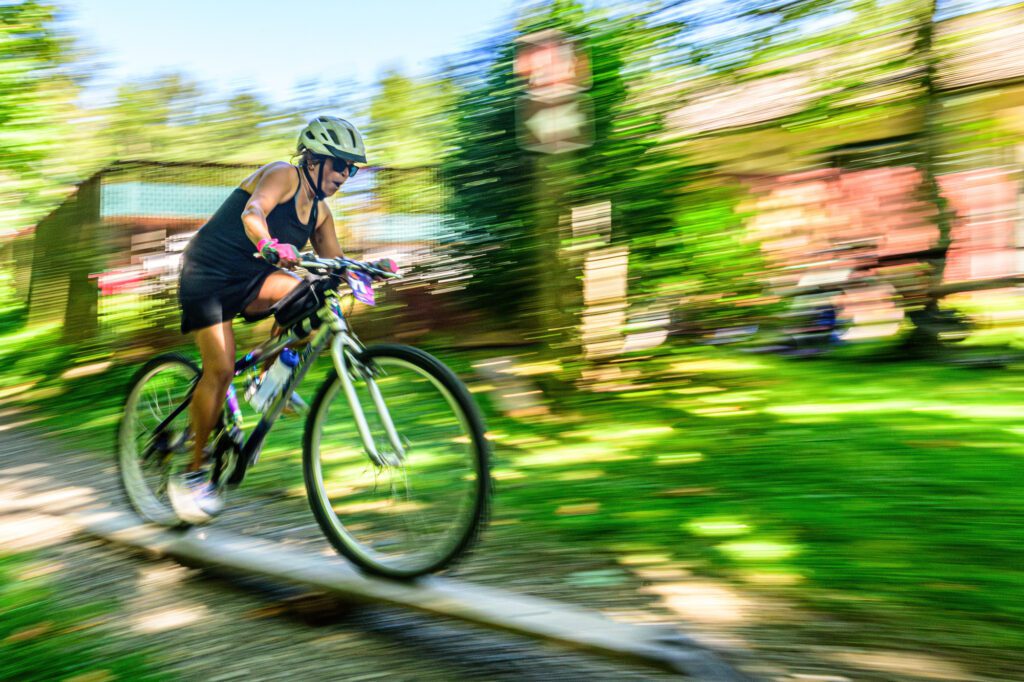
(309, 135)
(334, 136)
(353, 136)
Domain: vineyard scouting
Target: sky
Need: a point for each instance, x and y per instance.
(271, 46)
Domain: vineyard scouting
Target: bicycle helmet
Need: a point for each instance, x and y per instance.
(333, 137)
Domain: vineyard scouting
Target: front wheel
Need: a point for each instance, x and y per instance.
(421, 511)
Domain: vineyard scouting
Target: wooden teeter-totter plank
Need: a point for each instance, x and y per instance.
(534, 617)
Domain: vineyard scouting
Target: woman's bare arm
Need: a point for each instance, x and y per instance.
(275, 185)
(325, 239)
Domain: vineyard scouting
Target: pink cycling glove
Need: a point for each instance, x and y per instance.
(273, 252)
(385, 264)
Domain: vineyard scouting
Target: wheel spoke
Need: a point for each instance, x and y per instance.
(424, 512)
(147, 463)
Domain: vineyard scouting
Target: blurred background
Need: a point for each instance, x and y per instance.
(737, 282)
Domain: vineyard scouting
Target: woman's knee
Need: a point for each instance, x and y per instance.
(217, 347)
(218, 374)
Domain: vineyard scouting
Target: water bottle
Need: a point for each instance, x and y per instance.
(275, 379)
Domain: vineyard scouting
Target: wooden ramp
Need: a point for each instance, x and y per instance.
(534, 617)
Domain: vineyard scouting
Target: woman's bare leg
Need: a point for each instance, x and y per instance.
(275, 287)
(217, 348)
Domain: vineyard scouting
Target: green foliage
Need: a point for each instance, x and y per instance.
(881, 493)
(35, 92)
(705, 263)
(171, 118)
(876, 493)
(491, 181)
(411, 121)
(31, 53)
(680, 238)
(411, 127)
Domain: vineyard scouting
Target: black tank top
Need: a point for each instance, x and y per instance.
(222, 244)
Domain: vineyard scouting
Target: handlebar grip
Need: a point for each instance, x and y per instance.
(385, 265)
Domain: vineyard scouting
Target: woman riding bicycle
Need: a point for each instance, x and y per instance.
(274, 212)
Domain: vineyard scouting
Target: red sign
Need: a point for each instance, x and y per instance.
(552, 66)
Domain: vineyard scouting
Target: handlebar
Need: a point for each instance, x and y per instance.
(339, 266)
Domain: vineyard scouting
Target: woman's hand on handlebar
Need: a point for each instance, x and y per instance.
(386, 266)
(275, 253)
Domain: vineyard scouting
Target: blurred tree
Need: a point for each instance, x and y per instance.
(752, 39)
(245, 129)
(411, 126)
(928, 323)
(492, 186)
(171, 118)
(517, 203)
(411, 120)
(148, 117)
(31, 52)
(35, 89)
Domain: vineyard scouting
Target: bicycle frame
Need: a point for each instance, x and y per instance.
(345, 349)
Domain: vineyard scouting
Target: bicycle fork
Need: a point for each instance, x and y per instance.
(340, 346)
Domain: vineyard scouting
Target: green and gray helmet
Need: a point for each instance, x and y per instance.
(332, 136)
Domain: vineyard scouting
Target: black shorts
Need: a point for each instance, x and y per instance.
(209, 296)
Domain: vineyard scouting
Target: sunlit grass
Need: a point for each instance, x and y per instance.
(574, 454)
(679, 458)
(887, 493)
(507, 474)
(845, 408)
(384, 506)
(15, 342)
(578, 475)
(758, 550)
(717, 527)
(629, 433)
(889, 406)
(726, 365)
(823, 473)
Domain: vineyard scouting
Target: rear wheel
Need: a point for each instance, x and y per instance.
(420, 512)
(147, 458)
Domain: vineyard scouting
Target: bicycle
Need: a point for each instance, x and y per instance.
(415, 422)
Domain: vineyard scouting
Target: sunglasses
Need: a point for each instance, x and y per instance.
(340, 164)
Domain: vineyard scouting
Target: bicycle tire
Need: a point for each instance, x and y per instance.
(477, 483)
(143, 498)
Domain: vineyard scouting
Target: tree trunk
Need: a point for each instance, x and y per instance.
(925, 337)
